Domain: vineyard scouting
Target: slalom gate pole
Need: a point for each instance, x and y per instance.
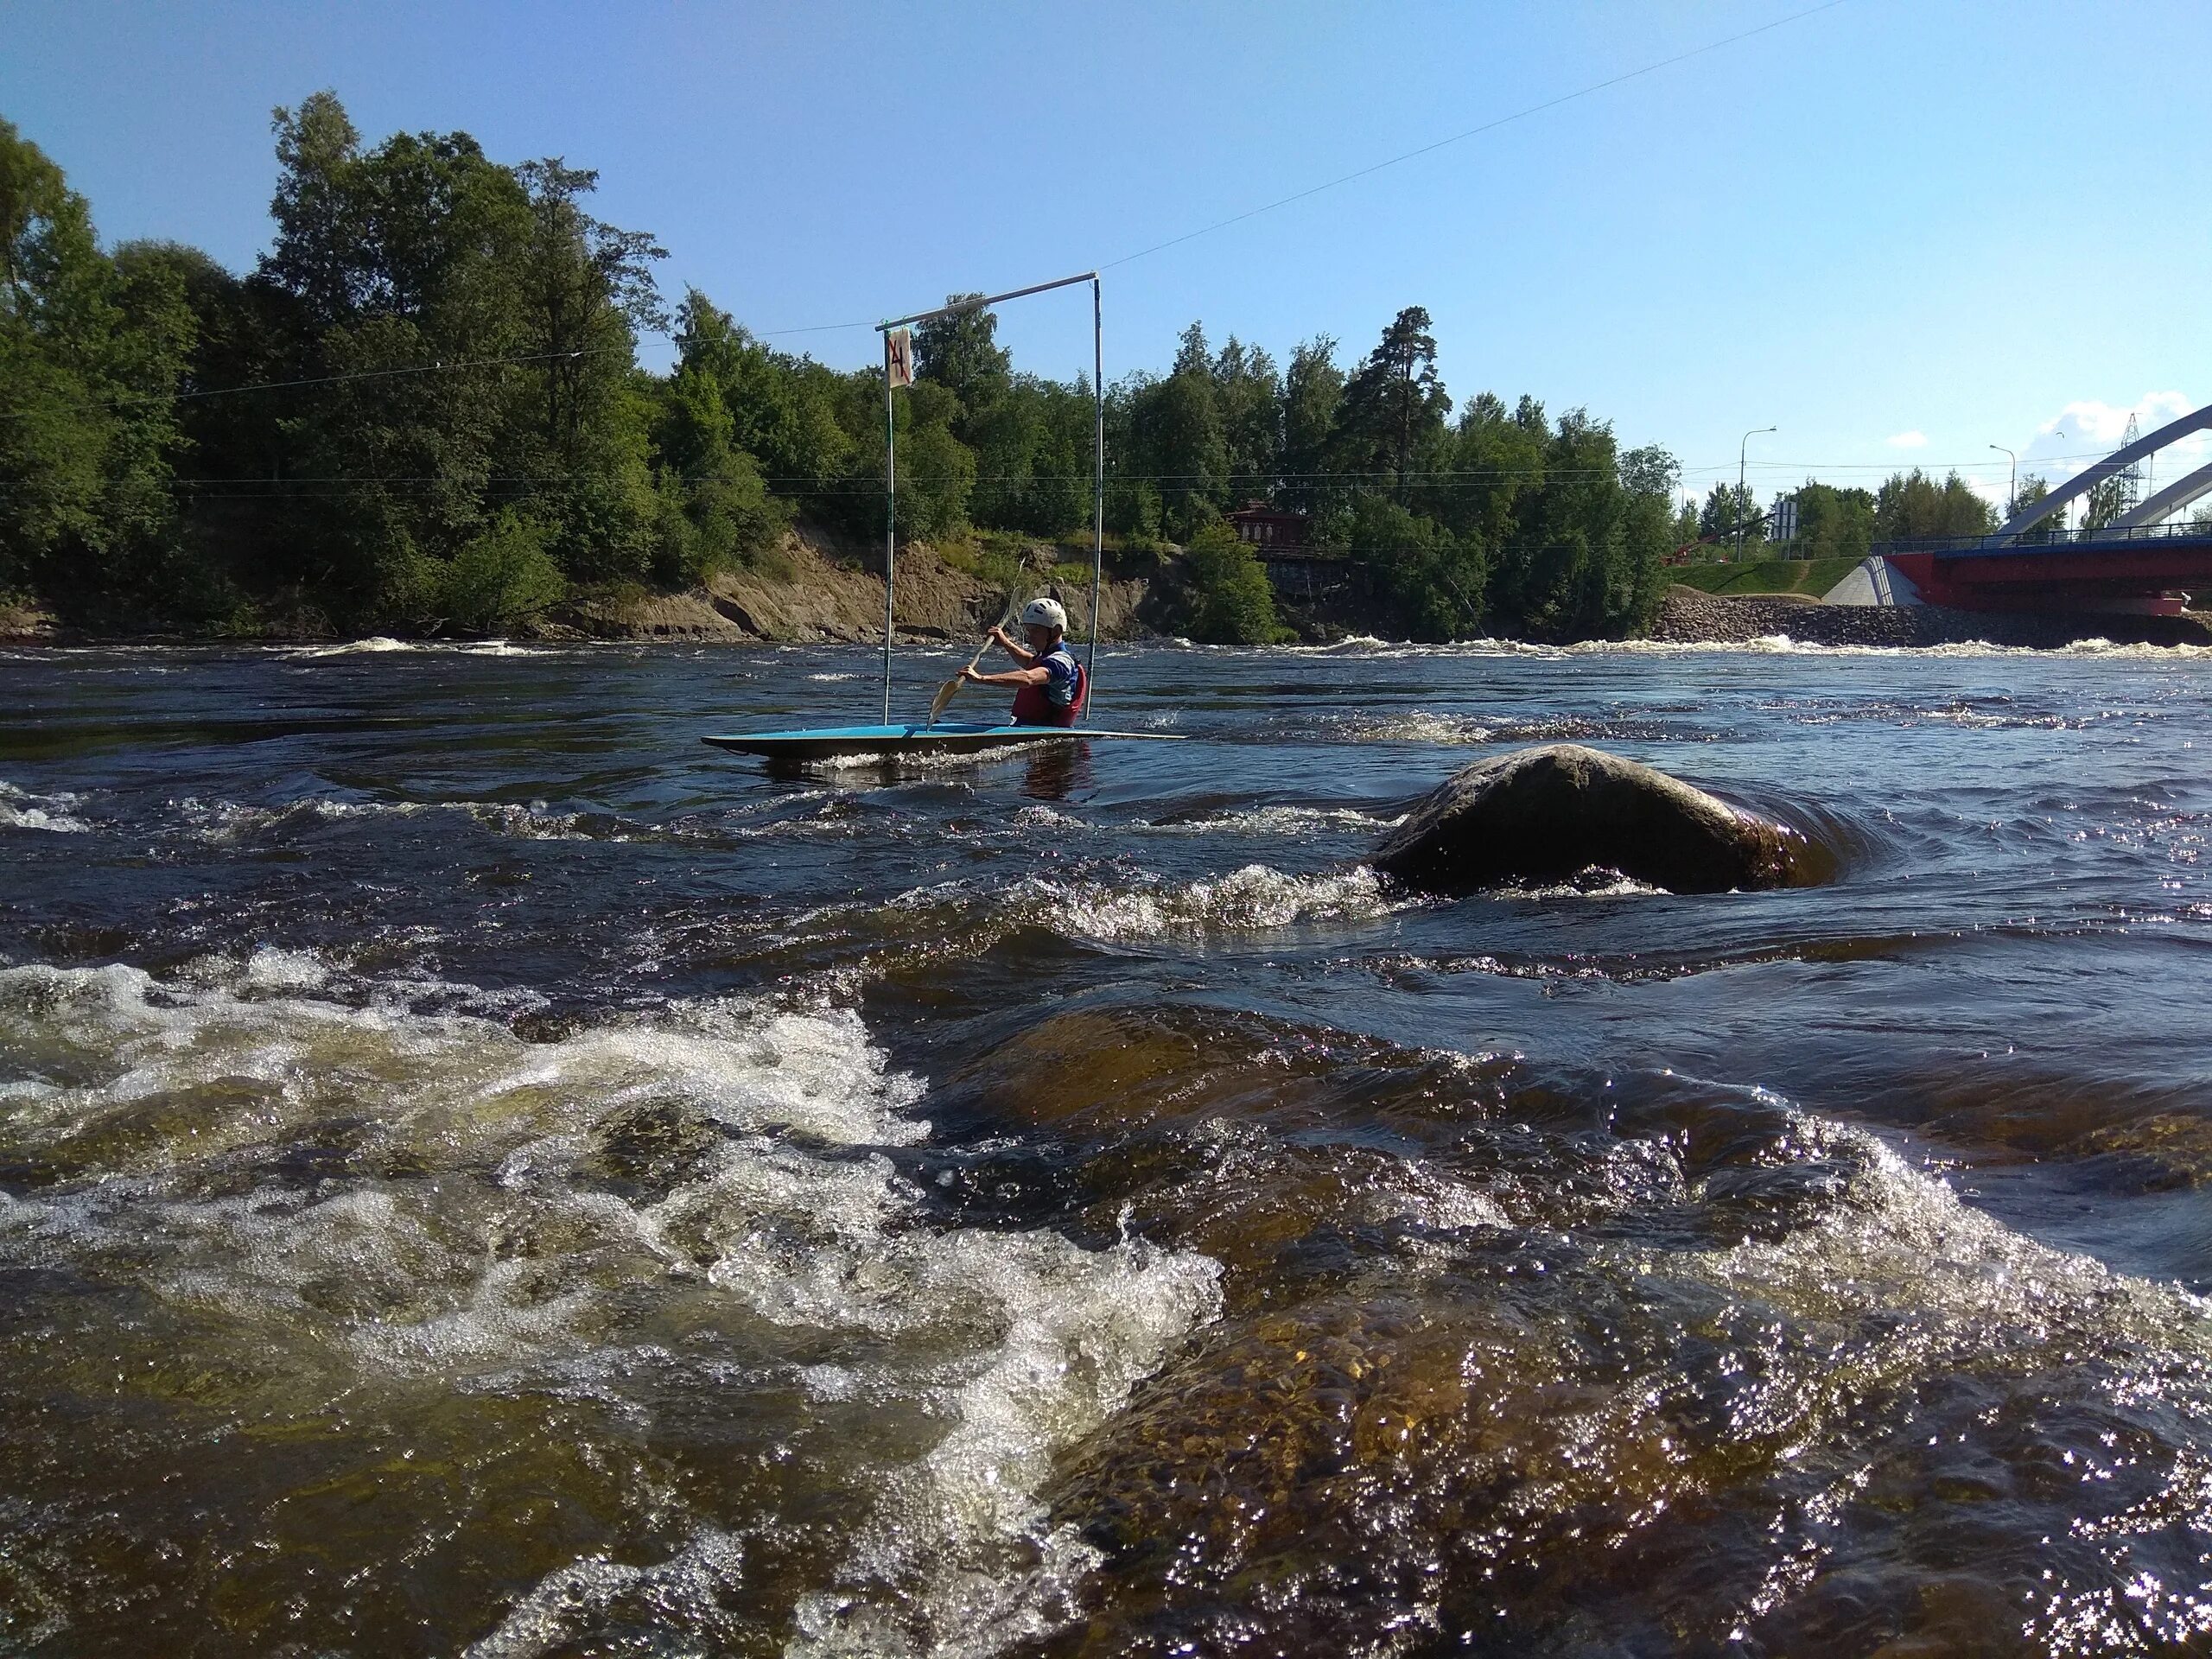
(1097, 488)
(1098, 453)
(890, 516)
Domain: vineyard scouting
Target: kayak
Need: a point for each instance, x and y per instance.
(946, 737)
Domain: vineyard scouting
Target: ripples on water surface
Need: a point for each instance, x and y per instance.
(480, 1171)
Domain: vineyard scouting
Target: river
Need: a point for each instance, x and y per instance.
(481, 1173)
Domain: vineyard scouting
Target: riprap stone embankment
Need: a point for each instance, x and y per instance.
(1689, 617)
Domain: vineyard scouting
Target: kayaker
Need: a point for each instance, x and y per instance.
(1050, 685)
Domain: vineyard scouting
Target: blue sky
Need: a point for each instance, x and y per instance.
(1899, 230)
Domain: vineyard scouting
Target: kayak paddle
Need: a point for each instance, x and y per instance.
(950, 689)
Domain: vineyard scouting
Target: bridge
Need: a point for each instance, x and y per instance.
(2141, 562)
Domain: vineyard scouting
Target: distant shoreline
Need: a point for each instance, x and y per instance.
(1687, 617)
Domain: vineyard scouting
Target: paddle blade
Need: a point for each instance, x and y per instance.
(946, 693)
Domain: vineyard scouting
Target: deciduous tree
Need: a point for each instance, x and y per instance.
(89, 360)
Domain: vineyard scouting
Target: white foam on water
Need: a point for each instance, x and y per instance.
(375, 644)
(1429, 726)
(1254, 899)
(1079, 1331)
(564, 1606)
(227, 823)
(1969, 1274)
(384, 645)
(1352, 645)
(1419, 726)
(1278, 820)
(56, 813)
(1038, 815)
(905, 761)
(1594, 882)
(1899, 1282)
(1367, 645)
(2148, 653)
(269, 969)
(496, 1258)
(1272, 821)
(1782, 644)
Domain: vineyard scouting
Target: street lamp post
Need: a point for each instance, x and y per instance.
(1740, 451)
(2013, 494)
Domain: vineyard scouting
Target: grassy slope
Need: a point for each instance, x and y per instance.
(1812, 576)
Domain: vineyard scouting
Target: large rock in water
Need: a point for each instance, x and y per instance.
(1547, 814)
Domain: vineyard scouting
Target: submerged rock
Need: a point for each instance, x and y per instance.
(1547, 814)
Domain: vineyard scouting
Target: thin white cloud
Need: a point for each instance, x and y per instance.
(1915, 439)
(2102, 422)
(2089, 428)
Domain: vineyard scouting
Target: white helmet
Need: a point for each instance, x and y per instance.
(1045, 613)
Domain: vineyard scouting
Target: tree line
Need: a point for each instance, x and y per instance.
(1834, 522)
(422, 410)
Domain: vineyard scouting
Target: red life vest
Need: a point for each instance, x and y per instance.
(1033, 708)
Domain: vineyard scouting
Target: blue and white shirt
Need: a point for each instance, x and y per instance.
(1059, 666)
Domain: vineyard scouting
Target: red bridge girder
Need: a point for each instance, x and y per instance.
(2144, 577)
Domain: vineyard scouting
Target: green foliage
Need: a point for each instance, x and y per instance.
(1134, 510)
(1912, 504)
(1833, 524)
(1731, 518)
(712, 510)
(1436, 579)
(783, 409)
(1247, 404)
(90, 354)
(2031, 489)
(2106, 499)
(1313, 389)
(996, 558)
(422, 408)
(937, 472)
(961, 352)
(422, 252)
(1686, 531)
(1033, 444)
(1483, 476)
(1581, 555)
(1227, 600)
(1393, 406)
(499, 578)
(1175, 442)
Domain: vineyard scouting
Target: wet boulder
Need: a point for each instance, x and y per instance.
(1547, 814)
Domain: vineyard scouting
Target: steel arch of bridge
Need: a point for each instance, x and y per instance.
(2168, 501)
(2173, 497)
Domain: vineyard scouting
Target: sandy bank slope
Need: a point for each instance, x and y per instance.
(810, 592)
